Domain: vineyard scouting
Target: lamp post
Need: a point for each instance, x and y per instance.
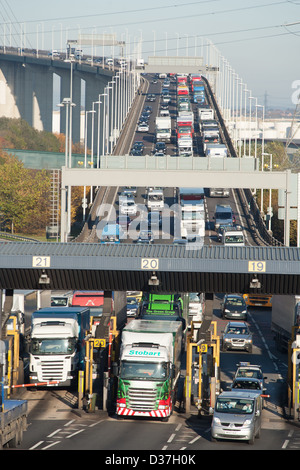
(71, 61)
(269, 212)
(262, 151)
(84, 205)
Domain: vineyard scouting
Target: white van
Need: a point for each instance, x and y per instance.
(155, 199)
(237, 415)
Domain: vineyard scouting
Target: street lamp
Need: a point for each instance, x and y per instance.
(269, 213)
(71, 61)
(85, 163)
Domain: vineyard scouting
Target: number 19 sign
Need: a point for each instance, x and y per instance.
(256, 266)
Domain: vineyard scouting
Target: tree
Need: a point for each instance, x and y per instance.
(24, 196)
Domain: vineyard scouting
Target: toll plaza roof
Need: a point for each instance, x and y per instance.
(129, 266)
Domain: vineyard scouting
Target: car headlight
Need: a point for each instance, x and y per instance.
(227, 311)
(244, 311)
(248, 340)
(247, 422)
(217, 420)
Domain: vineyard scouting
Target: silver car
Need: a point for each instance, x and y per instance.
(237, 336)
(237, 415)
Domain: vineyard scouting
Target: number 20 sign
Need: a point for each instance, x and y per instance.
(149, 263)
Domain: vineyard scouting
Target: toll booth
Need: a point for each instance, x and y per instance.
(96, 384)
(203, 370)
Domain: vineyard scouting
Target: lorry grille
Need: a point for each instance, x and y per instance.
(52, 370)
(140, 399)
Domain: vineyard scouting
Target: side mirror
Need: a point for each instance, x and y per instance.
(211, 410)
(115, 369)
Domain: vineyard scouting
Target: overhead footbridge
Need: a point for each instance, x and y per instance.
(162, 268)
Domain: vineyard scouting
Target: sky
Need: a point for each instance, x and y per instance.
(258, 38)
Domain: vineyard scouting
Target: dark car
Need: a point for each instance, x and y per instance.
(145, 237)
(246, 383)
(132, 306)
(234, 307)
(123, 220)
(160, 147)
(138, 145)
(136, 152)
(237, 336)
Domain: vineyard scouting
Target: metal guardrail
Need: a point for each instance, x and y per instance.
(12, 237)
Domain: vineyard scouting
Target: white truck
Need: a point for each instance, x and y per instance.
(216, 150)
(192, 217)
(192, 221)
(155, 199)
(205, 113)
(285, 316)
(163, 129)
(185, 145)
(150, 361)
(57, 345)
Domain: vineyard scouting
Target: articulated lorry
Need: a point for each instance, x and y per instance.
(163, 129)
(13, 413)
(150, 356)
(57, 344)
(285, 316)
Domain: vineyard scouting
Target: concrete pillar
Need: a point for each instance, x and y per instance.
(42, 95)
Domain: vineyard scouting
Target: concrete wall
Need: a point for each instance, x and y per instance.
(26, 91)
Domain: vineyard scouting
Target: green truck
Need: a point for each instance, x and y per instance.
(162, 307)
(149, 368)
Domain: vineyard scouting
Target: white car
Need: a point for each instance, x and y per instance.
(143, 128)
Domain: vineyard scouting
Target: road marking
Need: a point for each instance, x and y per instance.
(285, 444)
(51, 445)
(194, 440)
(36, 445)
(55, 432)
(74, 433)
(171, 438)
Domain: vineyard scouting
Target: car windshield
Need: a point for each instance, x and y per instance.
(194, 298)
(131, 301)
(236, 330)
(235, 302)
(251, 373)
(144, 371)
(235, 405)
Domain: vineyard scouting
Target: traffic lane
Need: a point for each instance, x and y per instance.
(109, 434)
(263, 354)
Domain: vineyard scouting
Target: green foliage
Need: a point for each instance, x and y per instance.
(24, 197)
(18, 134)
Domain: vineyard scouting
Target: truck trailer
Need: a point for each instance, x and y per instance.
(150, 359)
(57, 345)
(285, 316)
